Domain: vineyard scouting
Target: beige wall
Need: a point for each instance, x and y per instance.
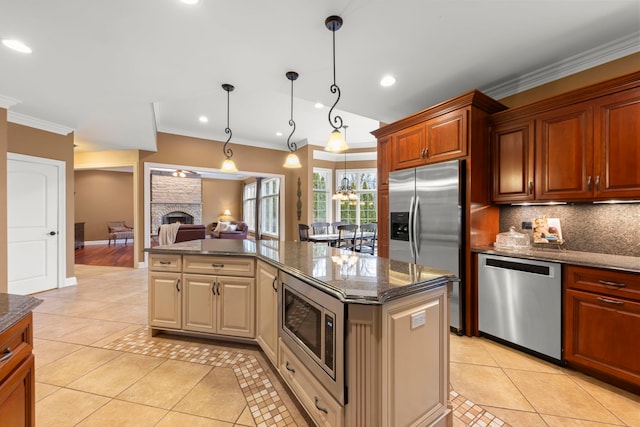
(39, 143)
(102, 196)
(218, 195)
(620, 67)
(3, 202)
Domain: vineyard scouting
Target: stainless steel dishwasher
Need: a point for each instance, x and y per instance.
(520, 302)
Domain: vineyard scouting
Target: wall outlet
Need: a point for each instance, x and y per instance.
(526, 225)
(418, 319)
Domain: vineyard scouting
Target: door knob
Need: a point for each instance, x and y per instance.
(52, 233)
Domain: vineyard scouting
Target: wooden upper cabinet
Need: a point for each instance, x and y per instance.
(383, 162)
(617, 154)
(512, 154)
(564, 158)
(408, 147)
(447, 136)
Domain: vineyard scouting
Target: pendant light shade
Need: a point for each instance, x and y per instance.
(292, 161)
(228, 165)
(337, 142)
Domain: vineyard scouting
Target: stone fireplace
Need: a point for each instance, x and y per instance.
(175, 199)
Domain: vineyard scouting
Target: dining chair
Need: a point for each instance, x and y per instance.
(320, 227)
(368, 237)
(303, 230)
(347, 236)
(336, 224)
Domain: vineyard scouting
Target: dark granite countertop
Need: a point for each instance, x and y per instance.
(351, 276)
(586, 259)
(14, 308)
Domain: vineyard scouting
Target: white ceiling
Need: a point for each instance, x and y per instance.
(115, 71)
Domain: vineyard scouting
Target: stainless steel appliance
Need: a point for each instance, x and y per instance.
(312, 326)
(426, 223)
(520, 302)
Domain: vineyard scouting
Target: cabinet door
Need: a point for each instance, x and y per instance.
(617, 155)
(512, 162)
(564, 159)
(267, 310)
(17, 396)
(447, 136)
(236, 306)
(409, 147)
(198, 302)
(383, 223)
(602, 334)
(165, 300)
(383, 163)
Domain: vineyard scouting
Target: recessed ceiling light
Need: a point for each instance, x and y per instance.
(319, 105)
(16, 45)
(278, 133)
(190, 2)
(203, 119)
(387, 81)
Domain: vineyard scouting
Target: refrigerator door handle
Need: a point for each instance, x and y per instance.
(411, 231)
(416, 227)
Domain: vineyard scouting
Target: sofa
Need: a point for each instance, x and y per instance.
(191, 232)
(230, 230)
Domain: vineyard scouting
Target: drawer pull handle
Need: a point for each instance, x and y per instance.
(589, 183)
(178, 285)
(598, 183)
(320, 408)
(217, 265)
(290, 369)
(218, 288)
(165, 262)
(607, 283)
(7, 355)
(610, 301)
(530, 187)
(273, 284)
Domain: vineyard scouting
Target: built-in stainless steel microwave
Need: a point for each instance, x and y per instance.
(312, 326)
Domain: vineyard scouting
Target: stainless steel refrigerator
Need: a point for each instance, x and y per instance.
(425, 210)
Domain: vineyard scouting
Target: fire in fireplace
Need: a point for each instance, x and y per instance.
(177, 216)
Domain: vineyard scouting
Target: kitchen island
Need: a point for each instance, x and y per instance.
(17, 369)
(382, 355)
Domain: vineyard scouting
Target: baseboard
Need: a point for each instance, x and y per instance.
(105, 242)
(69, 281)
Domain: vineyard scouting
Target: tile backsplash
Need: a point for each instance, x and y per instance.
(600, 228)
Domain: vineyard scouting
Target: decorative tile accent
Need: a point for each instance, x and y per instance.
(262, 398)
(266, 406)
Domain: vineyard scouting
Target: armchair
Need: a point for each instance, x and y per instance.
(119, 230)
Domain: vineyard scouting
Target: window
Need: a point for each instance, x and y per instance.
(365, 209)
(322, 190)
(249, 206)
(269, 206)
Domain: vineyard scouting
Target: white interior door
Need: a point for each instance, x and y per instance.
(33, 234)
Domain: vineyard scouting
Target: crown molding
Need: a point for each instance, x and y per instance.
(32, 122)
(607, 52)
(340, 157)
(7, 102)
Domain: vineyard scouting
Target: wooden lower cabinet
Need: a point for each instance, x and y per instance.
(198, 302)
(602, 324)
(17, 377)
(267, 310)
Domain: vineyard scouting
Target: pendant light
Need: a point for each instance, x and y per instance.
(228, 165)
(344, 192)
(292, 161)
(336, 141)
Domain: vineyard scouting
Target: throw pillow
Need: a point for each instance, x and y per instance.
(222, 226)
(232, 227)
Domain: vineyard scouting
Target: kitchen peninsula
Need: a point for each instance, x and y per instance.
(360, 340)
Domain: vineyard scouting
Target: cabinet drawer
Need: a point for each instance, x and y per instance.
(226, 266)
(165, 262)
(608, 282)
(16, 344)
(324, 410)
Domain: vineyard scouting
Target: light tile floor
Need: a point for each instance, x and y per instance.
(97, 366)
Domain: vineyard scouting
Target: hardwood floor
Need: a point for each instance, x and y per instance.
(115, 255)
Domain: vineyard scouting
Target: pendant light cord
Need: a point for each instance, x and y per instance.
(227, 151)
(292, 75)
(334, 23)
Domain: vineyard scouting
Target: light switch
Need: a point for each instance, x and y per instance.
(418, 319)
